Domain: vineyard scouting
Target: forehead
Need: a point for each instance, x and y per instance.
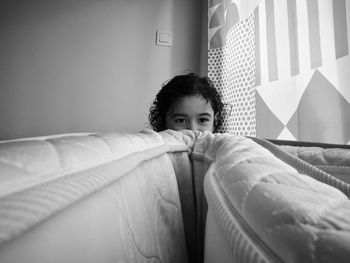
(191, 105)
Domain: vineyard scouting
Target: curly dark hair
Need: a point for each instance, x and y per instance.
(179, 87)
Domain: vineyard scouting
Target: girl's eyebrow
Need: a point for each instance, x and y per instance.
(174, 115)
(205, 114)
(177, 115)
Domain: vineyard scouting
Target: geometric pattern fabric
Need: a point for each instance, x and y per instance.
(315, 118)
(283, 66)
(303, 69)
(318, 119)
(267, 124)
(231, 66)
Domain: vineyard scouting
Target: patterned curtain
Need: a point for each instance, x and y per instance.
(284, 66)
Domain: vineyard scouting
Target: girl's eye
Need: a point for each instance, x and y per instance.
(203, 120)
(180, 121)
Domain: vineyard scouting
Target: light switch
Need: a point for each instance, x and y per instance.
(164, 38)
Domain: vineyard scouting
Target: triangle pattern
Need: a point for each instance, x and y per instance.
(281, 97)
(293, 125)
(338, 74)
(321, 112)
(267, 124)
(286, 135)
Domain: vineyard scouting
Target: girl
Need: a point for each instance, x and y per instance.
(187, 102)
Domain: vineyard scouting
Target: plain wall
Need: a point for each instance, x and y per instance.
(90, 65)
(203, 69)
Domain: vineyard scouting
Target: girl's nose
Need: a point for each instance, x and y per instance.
(192, 125)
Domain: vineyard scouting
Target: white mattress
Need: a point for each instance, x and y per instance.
(90, 198)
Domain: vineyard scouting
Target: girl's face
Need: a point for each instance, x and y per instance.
(190, 113)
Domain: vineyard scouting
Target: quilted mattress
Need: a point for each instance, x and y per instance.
(106, 197)
(172, 197)
(267, 205)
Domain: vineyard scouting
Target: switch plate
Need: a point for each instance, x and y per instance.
(164, 38)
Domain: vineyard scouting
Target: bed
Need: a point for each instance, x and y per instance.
(172, 197)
